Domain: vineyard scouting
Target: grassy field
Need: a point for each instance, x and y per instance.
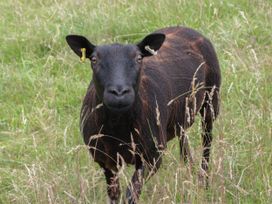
(42, 84)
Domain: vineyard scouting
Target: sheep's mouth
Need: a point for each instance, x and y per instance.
(119, 107)
(119, 103)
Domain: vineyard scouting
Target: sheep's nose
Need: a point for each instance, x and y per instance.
(119, 91)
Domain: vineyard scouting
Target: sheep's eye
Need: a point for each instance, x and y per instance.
(93, 60)
(139, 58)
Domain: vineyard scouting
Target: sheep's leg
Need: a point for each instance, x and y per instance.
(209, 112)
(185, 152)
(135, 187)
(207, 125)
(142, 173)
(113, 187)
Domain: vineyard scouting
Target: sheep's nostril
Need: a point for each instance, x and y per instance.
(113, 91)
(124, 91)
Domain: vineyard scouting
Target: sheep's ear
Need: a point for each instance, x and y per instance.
(80, 45)
(151, 44)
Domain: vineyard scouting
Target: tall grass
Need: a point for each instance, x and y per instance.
(42, 83)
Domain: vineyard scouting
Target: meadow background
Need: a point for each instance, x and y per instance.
(42, 84)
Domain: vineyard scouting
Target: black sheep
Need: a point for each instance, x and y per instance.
(142, 96)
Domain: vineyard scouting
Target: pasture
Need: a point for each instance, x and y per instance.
(42, 84)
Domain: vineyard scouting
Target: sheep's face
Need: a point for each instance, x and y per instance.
(116, 68)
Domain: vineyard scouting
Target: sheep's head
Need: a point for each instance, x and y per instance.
(116, 67)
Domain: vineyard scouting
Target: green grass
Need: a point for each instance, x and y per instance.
(42, 84)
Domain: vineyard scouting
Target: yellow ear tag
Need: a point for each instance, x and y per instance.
(83, 56)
